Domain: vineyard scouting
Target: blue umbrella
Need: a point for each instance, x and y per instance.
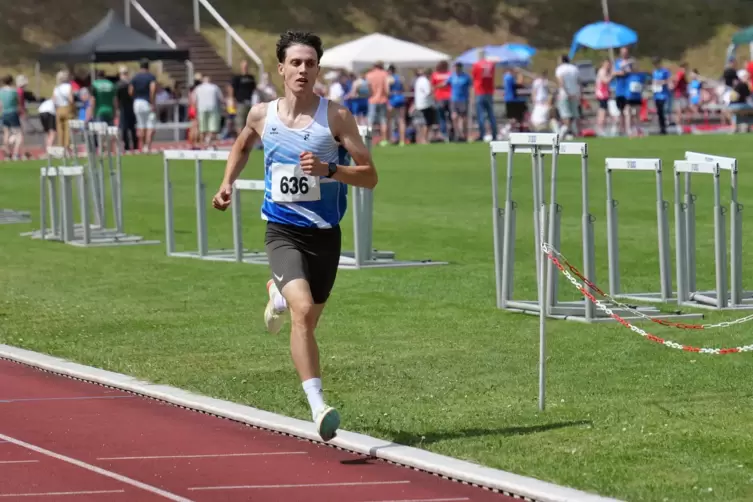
(497, 53)
(603, 35)
(524, 50)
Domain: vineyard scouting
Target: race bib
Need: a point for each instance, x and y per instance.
(635, 87)
(658, 88)
(291, 184)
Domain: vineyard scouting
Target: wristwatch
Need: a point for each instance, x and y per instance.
(332, 169)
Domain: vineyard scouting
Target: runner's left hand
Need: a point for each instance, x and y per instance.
(311, 165)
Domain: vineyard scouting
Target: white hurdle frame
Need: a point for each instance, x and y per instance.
(65, 176)
(665, 295)
(8, 216)
(723, 297)
(504, 234)
(361, 201)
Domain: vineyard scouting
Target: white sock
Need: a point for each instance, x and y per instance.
(279, 302)
(313, 389)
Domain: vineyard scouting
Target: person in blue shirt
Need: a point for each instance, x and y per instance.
(515, 106)
(623, 66)
(460, 87)
(143, 89)
(660, 87)
(694, 91)
(396, 108)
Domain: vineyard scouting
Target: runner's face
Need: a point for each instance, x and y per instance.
(300, 69)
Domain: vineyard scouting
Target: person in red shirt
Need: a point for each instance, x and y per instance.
(483, 86)
(442, 94)
(681, 93)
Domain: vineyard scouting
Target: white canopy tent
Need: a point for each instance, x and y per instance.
(363, 52)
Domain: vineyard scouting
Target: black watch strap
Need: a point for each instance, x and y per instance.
(332, 169)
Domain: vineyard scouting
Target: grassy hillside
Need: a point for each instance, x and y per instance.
(694, 30)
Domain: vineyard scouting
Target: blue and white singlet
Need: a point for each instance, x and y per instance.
(291, 197)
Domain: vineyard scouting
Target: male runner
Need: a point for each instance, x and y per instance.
(306, 142)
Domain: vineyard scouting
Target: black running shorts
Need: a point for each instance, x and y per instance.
(306, 253)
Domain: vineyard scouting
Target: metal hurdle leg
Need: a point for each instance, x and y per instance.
(665, 294)
(738, 298)
(201, 212)
(242, 255)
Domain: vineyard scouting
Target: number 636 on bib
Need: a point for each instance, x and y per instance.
(291, 184)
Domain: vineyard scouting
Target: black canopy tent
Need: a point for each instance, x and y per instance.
(111, 41)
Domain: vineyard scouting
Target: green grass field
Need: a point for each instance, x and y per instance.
(420, 356)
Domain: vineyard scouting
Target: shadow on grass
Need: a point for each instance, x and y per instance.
(406, 438)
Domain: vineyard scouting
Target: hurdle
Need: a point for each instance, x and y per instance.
(504, 225)
(362, 202)
(722, 297)
(9, 216)
(86, 233)
(665, 293)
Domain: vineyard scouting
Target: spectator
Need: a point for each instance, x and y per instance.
(680, 86)
(396, 109)
(460, 90)
(660, 85)
(378, 82)
(442, 95)
(21, 84)
(623, 66)
(64, 101)
(730, 73)
(241, 91)
(695, 87)
(515, 105)
(359, 93)
(603, 79)
(635, 83)
(143, 88)
(208, 102)
(424, 104)
(336, 91)
(568, 96)
(47, 118)
(10, 116)
(541, 103)
(483, 88)
(104, 99)
(127, 118)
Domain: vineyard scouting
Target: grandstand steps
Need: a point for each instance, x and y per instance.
(175, 17)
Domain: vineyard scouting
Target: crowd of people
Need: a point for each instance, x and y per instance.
(428, 105)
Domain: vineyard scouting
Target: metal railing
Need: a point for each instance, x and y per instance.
(230, 34)
(160, 33)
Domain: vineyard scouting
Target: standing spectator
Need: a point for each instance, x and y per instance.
(623, 66)
(635, 82)
(242, 88)
(379, 91)
(568, 96)
(442, 95)
(460, 94)
(680, 86)
(660, 85)
(541, 103)
(47, 117)
(359, 94)
(336, 91)
(10, 117)
(423, 103)
(483, 87)
(695, 87)
(143, 88)
(396, 110)
(208, 102)
(515, 106)
(730, 73)
(104, 99)
(127, 118)
(65, 107)
(603, 79)
(21, 83)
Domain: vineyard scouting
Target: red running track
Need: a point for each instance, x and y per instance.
(65, 439)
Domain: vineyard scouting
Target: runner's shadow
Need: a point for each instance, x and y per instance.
(406, 438)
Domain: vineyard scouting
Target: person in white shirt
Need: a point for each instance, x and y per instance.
(423, 103)
(541, 103)
(64, 101)
(47, 116)
(568, 97)
(208, 101)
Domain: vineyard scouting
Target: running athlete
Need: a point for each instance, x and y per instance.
(307, 141)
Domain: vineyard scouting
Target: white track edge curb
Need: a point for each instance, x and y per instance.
(521, 486)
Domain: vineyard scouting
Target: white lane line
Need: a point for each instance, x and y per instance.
(58, 494)
(18, 461)
(92, 468)
(80, 398)
(305, 485)
(424, 500)
(218, 455)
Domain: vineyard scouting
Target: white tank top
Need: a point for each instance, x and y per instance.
(291, 197)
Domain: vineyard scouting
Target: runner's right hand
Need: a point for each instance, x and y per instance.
(221, 201)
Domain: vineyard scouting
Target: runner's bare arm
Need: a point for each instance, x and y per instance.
(344, 126)
(241, 149)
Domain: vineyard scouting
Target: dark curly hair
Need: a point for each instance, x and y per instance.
(291, 37)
